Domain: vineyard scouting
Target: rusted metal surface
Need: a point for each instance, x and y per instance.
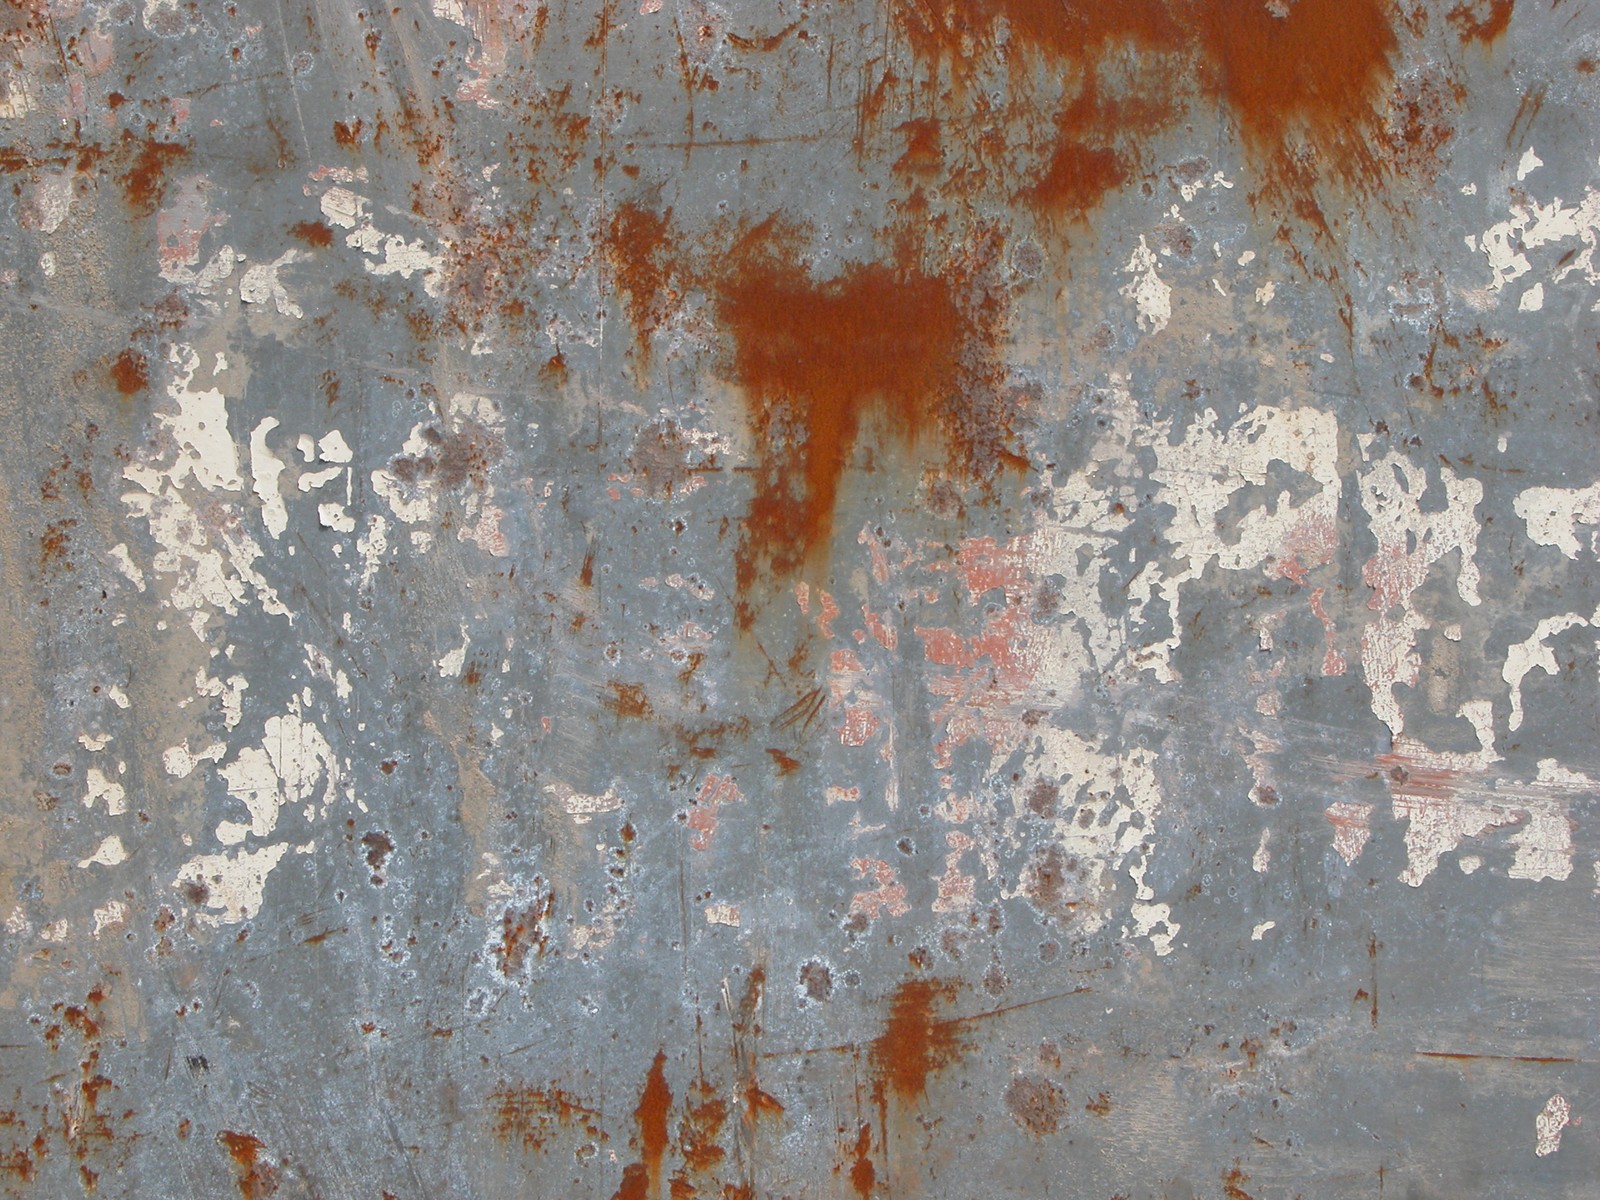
(874, 599)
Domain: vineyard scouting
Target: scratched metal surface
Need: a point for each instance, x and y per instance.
(864, 599)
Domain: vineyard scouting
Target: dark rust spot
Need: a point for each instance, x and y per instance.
(1036, 1103)
(130, 371)
(313, 233)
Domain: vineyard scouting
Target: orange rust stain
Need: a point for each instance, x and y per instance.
(524, 930)
(638, 244)
(642, 1180)
(532, 1116)
(699, 1134)
(819, 360)
(257, 1180)
(130, 372)
(915, 1043)
(1314, 75)
(627, 700)
(1481, 21)
(1304, 80)
(313, 233)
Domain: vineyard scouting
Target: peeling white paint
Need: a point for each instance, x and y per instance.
(1149, 293)
(1549, 1124)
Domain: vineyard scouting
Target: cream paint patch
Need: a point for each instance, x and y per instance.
(265, 467)
(1553, 516)
(111, 915)
(293, 759)
(1532, 653)
(1150, 294)
(180, 763)
(1411, 540)
(1533, 226)
(452, 663)
(208, 565)
(109, 853)
(260, 285)
(228, 888)
(100, 789)
(386, 254)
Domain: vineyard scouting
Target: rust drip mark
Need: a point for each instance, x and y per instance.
(862, 1173)
(1545, 1059)
(256, 1179)
(884, 347)
(642, 1180)
(637, 246)
(1373, 946)
(1483, 21)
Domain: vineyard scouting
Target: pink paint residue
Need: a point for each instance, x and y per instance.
(888, 894)
(860, 723)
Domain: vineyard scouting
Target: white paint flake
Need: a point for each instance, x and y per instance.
(1548, 1125)
(1150, 295)
(265, 467)
(109, 853)
(1554, 514)
(260, 284)
(583, 805)
(98, 787)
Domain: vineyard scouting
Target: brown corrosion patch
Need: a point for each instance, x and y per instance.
(130, 372)
(1036, 1103)
(915, 1043)
(638, 246)
(888, 345)
(1482, 20)
(313, 233)
(145, 180)
(627, 699)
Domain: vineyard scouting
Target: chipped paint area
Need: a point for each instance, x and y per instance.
(874, 599)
